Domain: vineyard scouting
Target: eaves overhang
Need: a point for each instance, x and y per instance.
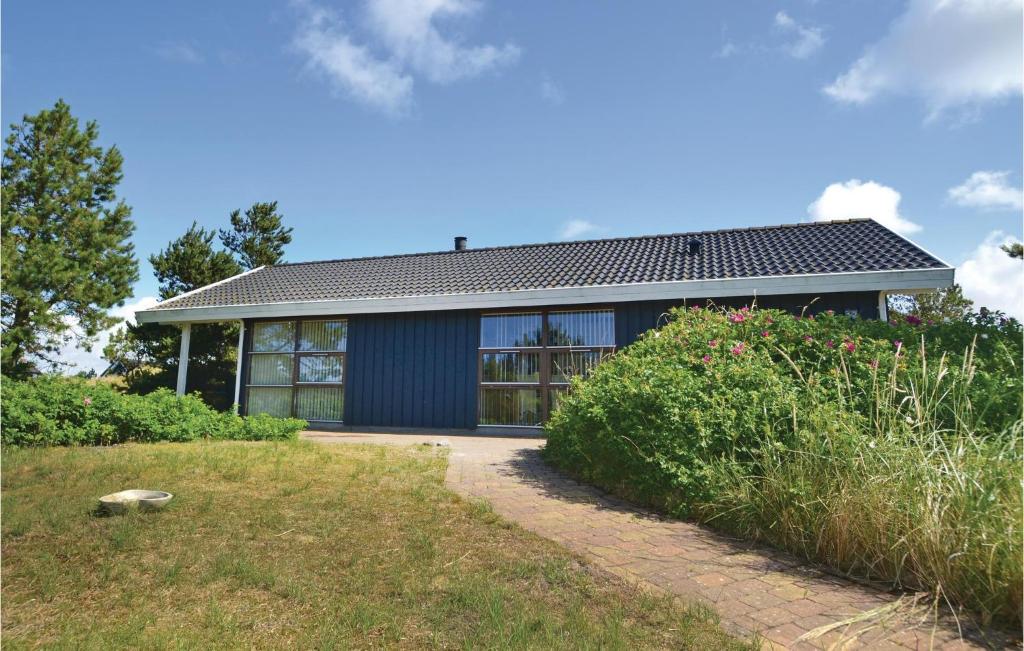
(894, 281)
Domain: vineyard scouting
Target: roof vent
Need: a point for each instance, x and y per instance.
(693, 247)
(460, 243)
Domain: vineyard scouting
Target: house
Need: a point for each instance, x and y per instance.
(489, 337)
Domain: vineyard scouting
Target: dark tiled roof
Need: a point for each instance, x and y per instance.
(814, 248)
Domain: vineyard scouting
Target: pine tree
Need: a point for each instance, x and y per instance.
(66, 251)
(150, 351)
(190, 262)
(257, 238)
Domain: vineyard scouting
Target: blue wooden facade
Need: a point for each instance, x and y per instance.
(420, 369)
(415, 369)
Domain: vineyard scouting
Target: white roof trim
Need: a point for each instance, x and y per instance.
(205, 287)
(906, 281)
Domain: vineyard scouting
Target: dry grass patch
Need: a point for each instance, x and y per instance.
(294, 544)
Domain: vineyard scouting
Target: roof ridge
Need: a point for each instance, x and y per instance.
(624, 238)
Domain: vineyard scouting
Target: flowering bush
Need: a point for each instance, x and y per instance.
(52, 410)
(788, 429)
(714, 385)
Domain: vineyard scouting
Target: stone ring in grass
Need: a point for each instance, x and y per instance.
(142, 499)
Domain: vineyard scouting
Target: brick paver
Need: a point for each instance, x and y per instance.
(785, 601)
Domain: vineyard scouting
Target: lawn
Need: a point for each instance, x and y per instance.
(302, 545)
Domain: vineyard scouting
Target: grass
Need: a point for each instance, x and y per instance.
(302, 545)
(912, 501)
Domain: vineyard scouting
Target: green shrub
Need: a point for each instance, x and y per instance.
(887, 450)
(51, 410)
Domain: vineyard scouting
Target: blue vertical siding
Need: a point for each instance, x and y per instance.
(419, 369)
(412, 370)
(634, 319)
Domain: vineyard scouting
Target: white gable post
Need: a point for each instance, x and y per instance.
(883, 307)
(238, 366)
(186, 334)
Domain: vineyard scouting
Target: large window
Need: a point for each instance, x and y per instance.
(297, 368)
(528, 358)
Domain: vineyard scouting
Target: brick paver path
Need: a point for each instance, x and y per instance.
(789, 603)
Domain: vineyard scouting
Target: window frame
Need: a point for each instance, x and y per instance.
(296, 354)
(544, 384)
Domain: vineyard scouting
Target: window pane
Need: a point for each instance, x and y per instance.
(591, 328)
(276, 401)
(511, 367)
(511, 330)
(320, 368)
(273, 337)
(510, 406)
(323, 335)
(565, 364)
(319, 403)
(270, 369)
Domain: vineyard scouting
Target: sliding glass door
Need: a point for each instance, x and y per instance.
(297, 368)
(528, 358)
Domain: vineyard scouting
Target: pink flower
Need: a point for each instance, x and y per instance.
(706, 359)
(87, 401)
(897, 342)
(695, 308)
(913, 320)
(713, 343)
(830, 312)
(736, 317)
(850, 346)
(830, 343)
(738, 348)
(810, 317)
(764, 333)
(808, 338)
(744, 309)
(769, 321)
(873, 363)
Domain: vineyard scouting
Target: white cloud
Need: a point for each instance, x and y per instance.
(727, 50)
(352, 67)
(993, 279)
(808, 40)
(406, 28)
(79, 359)
(729, 47)
(179, 53)
(989, 191)
(855, 199)
(400, 41)
(576, 228)
(953, 53)
(551, 92)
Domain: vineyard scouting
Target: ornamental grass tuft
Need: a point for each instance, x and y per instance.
(890, 451)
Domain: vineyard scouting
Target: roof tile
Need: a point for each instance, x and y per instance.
(814, 248)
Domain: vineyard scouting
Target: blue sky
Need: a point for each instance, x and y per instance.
(389, 126)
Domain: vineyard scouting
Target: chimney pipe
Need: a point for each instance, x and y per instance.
(693, 247)
(460, 243)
